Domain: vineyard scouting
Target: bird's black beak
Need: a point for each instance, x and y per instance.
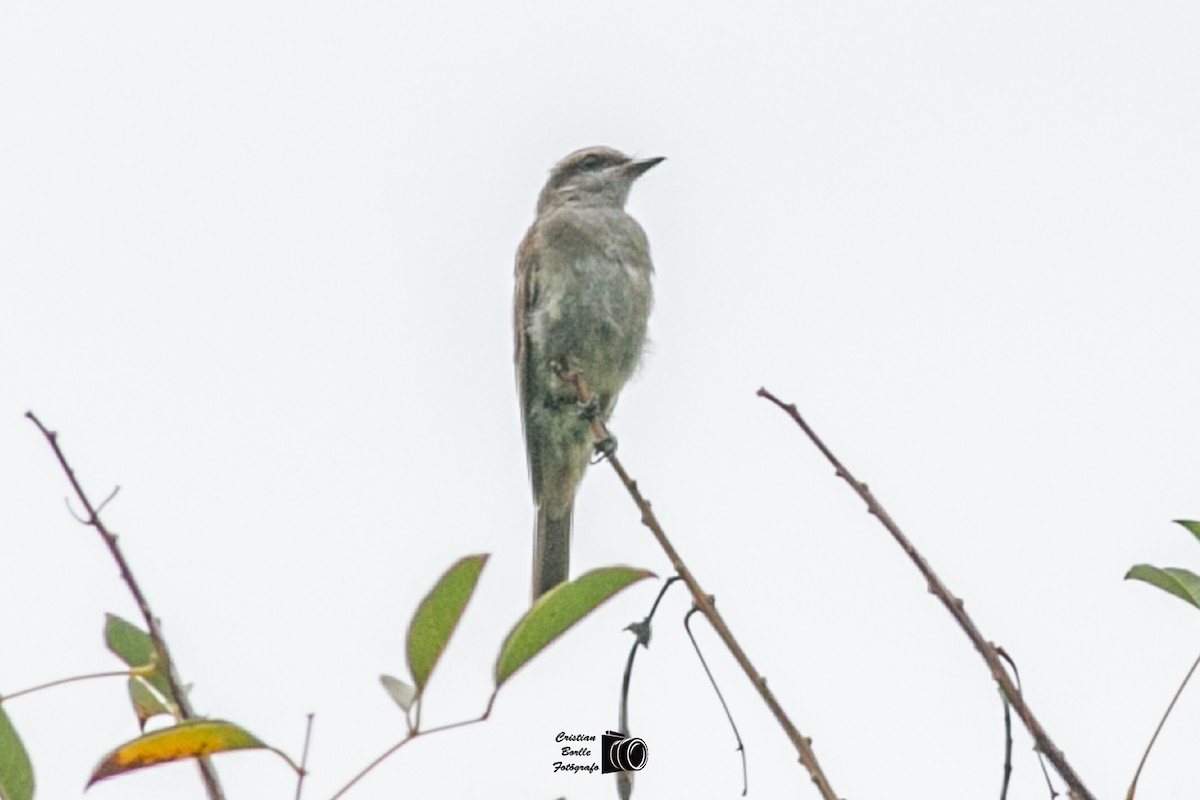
(635, 169)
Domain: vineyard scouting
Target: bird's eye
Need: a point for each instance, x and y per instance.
(591, 161)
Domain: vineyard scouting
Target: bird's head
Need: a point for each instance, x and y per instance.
(593, 176)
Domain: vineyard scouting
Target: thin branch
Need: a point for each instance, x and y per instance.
(107, 500)
(1008, 726)
(208, 772)
(1008, 742)
(304, 757)
(641, 631)
(741, 747)
(119, 673)
(412, 735)
(1161, 722)
(803, 745)
(953, 604)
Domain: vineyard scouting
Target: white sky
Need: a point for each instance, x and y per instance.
(256, 263)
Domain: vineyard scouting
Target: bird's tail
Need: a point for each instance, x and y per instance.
(551, 550)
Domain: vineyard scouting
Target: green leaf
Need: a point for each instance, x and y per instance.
(556, 611)
(134, 646)
(146, 702)
(1179, 582)
(128, 642)
(16, 771)
(1191, 525)
(191, 739)
(438, 615)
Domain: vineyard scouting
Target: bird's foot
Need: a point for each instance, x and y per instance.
(589, 411)
(605, 447)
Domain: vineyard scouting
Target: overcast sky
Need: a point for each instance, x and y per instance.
(256, 264)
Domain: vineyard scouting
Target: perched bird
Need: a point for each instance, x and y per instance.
(582, 300)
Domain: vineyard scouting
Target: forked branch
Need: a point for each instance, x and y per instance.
(953, 604)
(92, 519)
(704, 603)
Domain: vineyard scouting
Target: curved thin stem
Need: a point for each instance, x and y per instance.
(119, 673)
(1158, 730)
(412, 735)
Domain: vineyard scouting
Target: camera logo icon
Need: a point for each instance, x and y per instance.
(621, 753)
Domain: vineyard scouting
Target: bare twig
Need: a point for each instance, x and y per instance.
(92, 519)
(741, 748)
(120, 673)
(1008, 741)
(413, 734)
(1007, 749)
(953, 604)
(803, 745)
(1161, 722)
(641, 632)
(303, 772)
(107, 500)
(1008, 728)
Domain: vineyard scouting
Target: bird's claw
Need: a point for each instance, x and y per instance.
(590, 410)
(605, 447)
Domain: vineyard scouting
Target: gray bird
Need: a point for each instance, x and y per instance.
(582, 300)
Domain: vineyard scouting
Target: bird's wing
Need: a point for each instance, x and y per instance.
(524, 300)
(524, 295)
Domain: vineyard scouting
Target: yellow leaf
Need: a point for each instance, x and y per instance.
(189, 739)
